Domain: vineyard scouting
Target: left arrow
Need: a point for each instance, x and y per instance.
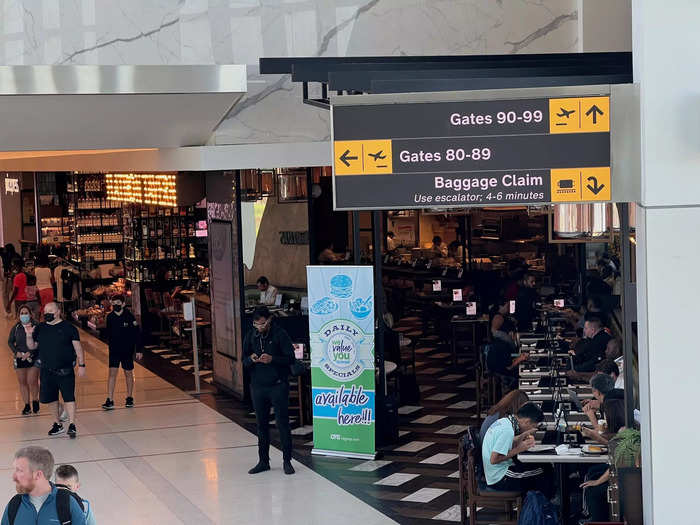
(345, 157)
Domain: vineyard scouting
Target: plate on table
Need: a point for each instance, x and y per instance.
(594, 450)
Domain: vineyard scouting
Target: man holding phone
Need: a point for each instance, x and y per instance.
(267, 353)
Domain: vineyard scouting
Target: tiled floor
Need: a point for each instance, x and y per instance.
(171, 459)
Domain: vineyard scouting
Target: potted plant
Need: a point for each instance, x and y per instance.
(626, 448)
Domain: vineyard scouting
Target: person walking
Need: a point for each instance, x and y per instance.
(38, 501)
(44, 280)
(267, 353)
(19, 287)
(124, 338)
(59, 345)
(24, 348)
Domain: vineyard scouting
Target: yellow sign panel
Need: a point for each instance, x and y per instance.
(348, 157)
(595, 184)
(377, 156)
(579, 115)
(362, 157)
(566, 185)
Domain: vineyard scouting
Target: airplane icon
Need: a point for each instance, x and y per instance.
(565, 113)
(377, 156)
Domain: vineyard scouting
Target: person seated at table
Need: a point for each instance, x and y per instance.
(499, 358)
(507, 406)
(609, 367)
(614, 352)
(603, 387)
(391, 242)
(328, 256)
(504, 440)
(595, 485)
(502, 325)
(606, 366)
(439, 248)
(525, 311)
(591, 349)
(268, 293)
(593, 308)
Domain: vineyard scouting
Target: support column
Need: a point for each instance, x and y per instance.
(667, 69)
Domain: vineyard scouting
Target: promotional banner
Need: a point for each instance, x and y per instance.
(341, 329)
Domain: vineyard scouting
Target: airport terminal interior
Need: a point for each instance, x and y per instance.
(352, 261)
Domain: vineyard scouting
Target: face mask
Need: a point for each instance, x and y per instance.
(25, 318)
(49, 317)
(117, 307)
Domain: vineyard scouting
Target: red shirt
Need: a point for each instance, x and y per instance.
(20, 282)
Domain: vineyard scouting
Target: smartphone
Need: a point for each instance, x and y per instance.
(471, 308)
(437, 285)
(512, 307)
(456, 295)
(559, 303)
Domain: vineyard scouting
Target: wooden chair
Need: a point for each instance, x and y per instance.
(471, 496)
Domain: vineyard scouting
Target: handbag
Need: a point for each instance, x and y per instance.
(297, 368)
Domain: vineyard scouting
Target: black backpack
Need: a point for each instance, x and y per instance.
(62, 506)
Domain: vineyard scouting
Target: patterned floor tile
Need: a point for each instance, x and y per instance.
(425, 495)
(371, 466)
(414, 446)
(440, 459)
(408, 409)
(428, 420)
(396, 480)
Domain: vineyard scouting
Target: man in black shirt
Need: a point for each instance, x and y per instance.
(59, 345)
(590, 350)
(267, 353)
(124, 338)
(525, 311)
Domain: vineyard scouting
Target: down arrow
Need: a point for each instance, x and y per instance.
(595, 189)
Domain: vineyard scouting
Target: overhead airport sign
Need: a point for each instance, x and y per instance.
(471, 153)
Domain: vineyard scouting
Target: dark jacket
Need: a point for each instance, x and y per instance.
(18, 340)
(275, 343)
(525, 311)
(27, 514)
(590, 352)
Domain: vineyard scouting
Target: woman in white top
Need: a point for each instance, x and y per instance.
(44, 281)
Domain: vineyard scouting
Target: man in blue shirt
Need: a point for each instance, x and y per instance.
(33, 467)
(505, 439)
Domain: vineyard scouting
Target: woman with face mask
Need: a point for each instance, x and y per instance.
(24, 347)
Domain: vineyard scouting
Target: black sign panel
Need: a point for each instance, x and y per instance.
(475, 153)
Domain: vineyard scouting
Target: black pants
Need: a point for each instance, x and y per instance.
(276, 396)
(596, 498)
(525, 477)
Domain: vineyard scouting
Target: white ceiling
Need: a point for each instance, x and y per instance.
(114, 107)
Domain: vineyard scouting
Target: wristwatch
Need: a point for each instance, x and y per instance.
(81, 366)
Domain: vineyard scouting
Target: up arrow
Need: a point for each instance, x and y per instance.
(595, 189)
(345, 158)
(596, 111)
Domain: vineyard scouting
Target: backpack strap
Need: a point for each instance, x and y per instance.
(13, 508)
(63, 497)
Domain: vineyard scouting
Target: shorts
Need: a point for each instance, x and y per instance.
(52, 384)
(23, 363)
(118, 358)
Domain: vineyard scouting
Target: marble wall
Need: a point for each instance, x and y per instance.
(241, 31)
